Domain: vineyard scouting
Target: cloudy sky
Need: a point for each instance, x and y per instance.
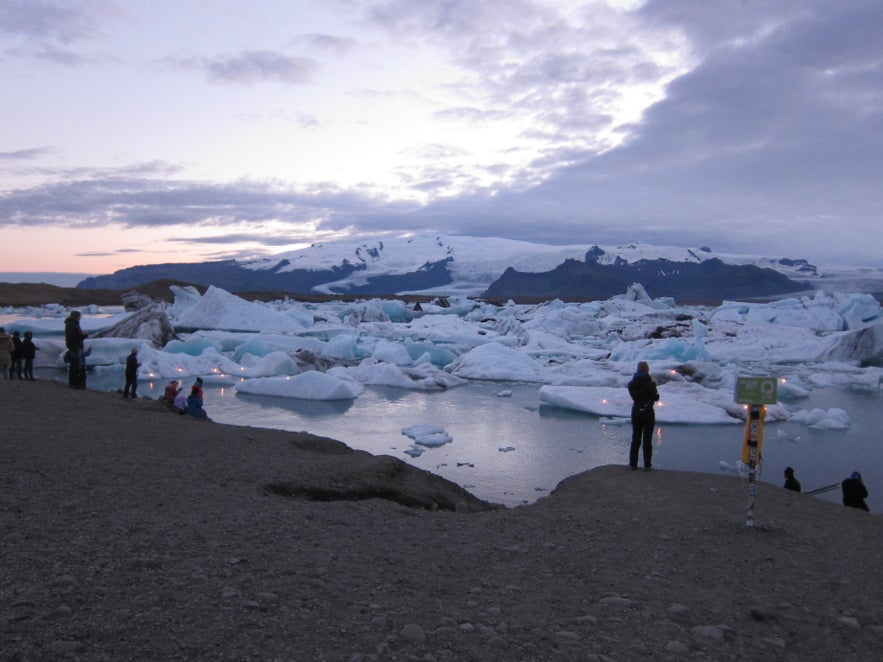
(166, 131)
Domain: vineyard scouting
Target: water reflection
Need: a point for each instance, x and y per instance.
(306, 408)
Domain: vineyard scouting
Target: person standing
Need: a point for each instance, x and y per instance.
(791, 483)
(855, 492)
(29, 353)
(644, 394)
(5, 352)
(73, 340)
(132, 366)
(15, 366)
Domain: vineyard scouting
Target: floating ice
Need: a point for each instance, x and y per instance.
(832, 419)
(495, 361)
(696, 353)
(672, 407)
(427, 435)
(310, 385)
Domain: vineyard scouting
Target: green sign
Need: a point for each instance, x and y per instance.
(756, 390)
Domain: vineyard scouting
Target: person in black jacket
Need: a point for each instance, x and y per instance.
(132, 366)
(73, 339)
(791, 483)
(644, 394)
(29, 353)
(15, 367)
(854, 492)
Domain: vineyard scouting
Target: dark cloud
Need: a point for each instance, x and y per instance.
(771, 142)
(260, 237)
(52, 20)
(250, 67)
(143, 202)
(25, 154)
(53, 30)
(332, 44)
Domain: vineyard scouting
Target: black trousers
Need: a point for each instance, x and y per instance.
(77, 369)
(642, 436)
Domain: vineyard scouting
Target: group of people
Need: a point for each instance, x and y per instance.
(76, 354)
(644, 393)
(853, 488)
(17, 355)
(185, 404)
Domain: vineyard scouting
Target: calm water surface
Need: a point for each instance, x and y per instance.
(513, 450)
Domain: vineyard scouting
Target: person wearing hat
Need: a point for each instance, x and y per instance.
(791, 483)
(854, 492)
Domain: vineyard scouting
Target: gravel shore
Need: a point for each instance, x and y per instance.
(132, 533)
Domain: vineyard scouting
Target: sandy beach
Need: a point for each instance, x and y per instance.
(132, 533)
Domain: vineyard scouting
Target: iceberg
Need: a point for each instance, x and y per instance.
(310, 385)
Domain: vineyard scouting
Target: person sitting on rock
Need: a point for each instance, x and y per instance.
(171, 391)
(854, 492)
(194, 404)
(791, 483)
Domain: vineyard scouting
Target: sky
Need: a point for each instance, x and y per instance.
(145, 132)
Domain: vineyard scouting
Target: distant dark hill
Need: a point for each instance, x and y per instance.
(41, 294)
(708, 281)
(234, 277)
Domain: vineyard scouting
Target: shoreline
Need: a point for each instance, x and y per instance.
(132, 532)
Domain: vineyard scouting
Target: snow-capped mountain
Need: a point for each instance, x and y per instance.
(473, 266)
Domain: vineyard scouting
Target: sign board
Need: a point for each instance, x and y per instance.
(757, 390)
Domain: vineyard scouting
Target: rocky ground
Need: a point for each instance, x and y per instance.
(128, 532)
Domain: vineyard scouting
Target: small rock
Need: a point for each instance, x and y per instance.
(140, 562)
(616, 601)
(413, 633)
(497, 642)
(848, 622)
(708, 631)
(761, 615)
(677, 610)
(566, 636)
(677, 648)
(586, 620)
(65, 647)
(63, 611)
(65, 580)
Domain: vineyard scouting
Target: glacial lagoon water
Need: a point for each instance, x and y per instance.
(508, 448)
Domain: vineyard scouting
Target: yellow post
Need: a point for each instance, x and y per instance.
(751, 453)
